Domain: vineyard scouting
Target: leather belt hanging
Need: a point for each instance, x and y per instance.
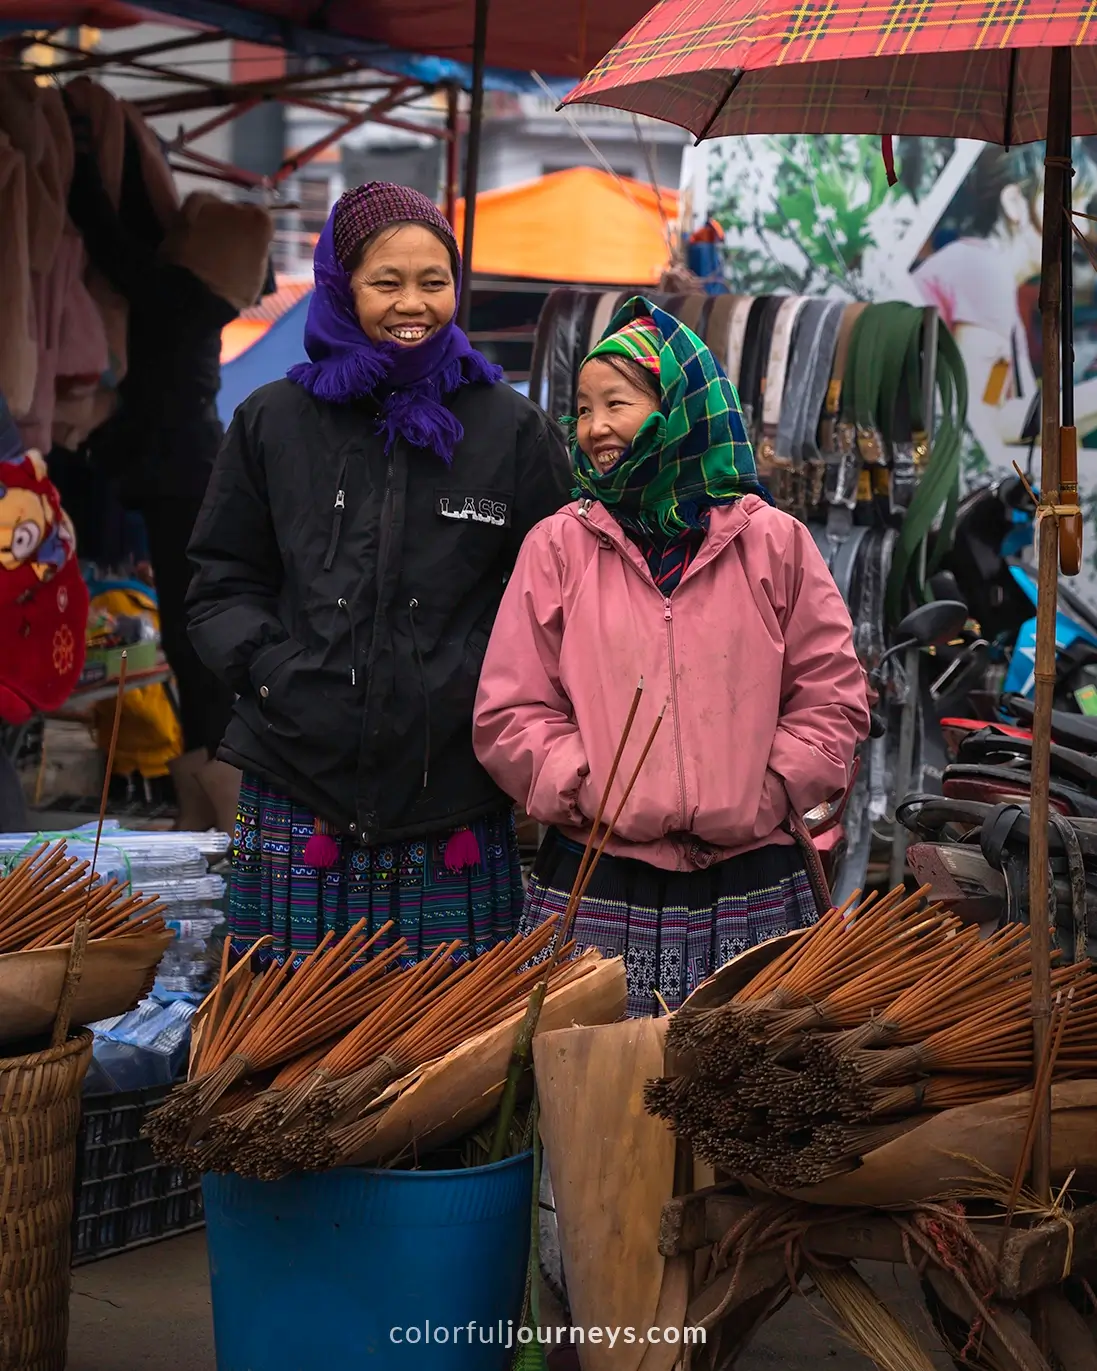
(690, 311)
(805, 436)
(901, 406)
(938, 491)
(836, 439)
(607, 307)
(716, 329)
(737, 333)
(756, 346)
(801, 404)
(833, 406)
(775, 469)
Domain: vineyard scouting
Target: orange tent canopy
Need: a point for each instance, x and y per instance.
(578, 225)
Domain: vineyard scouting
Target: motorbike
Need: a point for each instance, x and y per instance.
(972, 840)
(930, 626)
(987, 569)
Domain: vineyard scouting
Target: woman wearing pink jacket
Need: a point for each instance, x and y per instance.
(672, 566)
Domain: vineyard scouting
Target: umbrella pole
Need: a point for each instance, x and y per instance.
(1056, 183)
(472, 156)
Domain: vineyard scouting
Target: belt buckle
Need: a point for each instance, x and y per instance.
(870, 445)
(904, 476)
(782, 483)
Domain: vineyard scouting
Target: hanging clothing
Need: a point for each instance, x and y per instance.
(275, 891)
(673, 929)
(18, 360)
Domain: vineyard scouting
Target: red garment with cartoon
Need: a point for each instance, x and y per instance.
(43, 598)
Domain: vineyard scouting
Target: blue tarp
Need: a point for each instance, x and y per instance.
(266, 360)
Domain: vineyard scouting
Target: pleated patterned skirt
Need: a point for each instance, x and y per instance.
(672, 928)
(273, 891)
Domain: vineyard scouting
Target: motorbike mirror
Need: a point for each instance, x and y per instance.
(932, 625)
(944, 586)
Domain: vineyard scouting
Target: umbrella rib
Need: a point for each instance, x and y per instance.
(1011, 84)
(736, 76)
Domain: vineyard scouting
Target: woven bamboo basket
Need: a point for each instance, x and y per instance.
(39, 1120)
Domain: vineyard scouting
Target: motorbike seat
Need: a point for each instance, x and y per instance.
(990, 748)
(1019, 781)
(1071, 730)
(928, 816)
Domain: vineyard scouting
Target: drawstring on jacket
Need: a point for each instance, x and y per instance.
(353, 642)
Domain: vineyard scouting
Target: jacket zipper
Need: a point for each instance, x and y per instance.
(669, 618)
(337, 521)
(675, 711)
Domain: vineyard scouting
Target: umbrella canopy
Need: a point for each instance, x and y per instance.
(945, 68)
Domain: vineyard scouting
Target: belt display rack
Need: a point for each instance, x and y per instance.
(856, 412)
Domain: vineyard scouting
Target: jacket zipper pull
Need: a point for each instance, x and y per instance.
(336, 525)
(666, 610)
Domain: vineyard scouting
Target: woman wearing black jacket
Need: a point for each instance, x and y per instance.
(360, 524)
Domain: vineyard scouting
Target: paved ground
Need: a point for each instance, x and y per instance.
(151, 1309)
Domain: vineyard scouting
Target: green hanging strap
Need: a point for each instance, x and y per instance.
(939, 491)
(901, 405)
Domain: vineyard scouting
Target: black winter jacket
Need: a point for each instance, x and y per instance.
(347, 597)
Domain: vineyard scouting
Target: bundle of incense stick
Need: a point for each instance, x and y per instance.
(288, 1061)
(884, 1012)
(42, 899)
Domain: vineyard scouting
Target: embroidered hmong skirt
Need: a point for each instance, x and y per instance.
(672, 928)
(273, 891)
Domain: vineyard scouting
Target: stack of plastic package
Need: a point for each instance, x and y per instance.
(148, 1046)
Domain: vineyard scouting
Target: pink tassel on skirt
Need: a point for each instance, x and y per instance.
(462, 851)
(321, 850)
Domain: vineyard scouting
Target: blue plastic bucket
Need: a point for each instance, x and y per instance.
(408, 1270)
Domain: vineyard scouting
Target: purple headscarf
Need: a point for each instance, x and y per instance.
(409, 382)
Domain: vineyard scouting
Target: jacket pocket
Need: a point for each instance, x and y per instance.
(267, 668)
(773, 806)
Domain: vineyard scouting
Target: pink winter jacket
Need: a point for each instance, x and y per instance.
(753, 656)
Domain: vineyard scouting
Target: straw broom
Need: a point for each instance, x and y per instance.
(761, 1090)
(523, 1043)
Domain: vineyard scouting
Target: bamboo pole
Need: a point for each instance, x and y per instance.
(1056, 178)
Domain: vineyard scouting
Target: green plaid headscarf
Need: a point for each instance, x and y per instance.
(691, 453)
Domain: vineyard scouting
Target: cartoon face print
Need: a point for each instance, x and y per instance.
(28, 533)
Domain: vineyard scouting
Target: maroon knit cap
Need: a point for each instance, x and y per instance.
(377, 204)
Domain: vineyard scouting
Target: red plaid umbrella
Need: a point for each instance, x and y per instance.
(1006, 72)
(951, 68)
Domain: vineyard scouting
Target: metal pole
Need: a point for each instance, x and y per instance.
(453, 153)
(1056, 177)
(472, 157)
